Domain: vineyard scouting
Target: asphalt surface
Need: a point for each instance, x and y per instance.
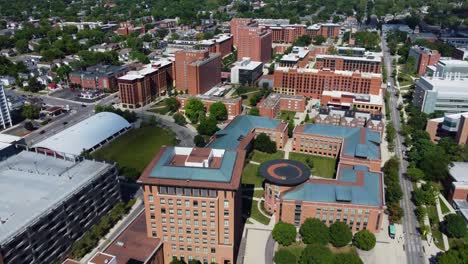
(413, 244)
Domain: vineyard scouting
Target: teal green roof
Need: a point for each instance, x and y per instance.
(352, 139)
(238, 128)
(163, 169)
(336, 192)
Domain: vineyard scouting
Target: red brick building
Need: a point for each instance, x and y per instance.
(350, 118)
(237, 23)
(233, 105)
(327, 30)
(370, 63)
(192, 201)
(255, 43)
(140, 87)
(424, 57)
(197, 71)
(352, 145)
(98, 77)
(289, 33)
(312, 82)
(221, 44)
(451, 125)
(275, 103)
(356, 198)
(132, 244)
(127, 28)
(361, 102)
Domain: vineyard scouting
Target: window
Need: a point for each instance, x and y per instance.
(162, 201)
(205, 241)
(179, 212)
(226, 212)
(163, 210)
(164, 229)
(195, 203)
(197, 250)
(189, 230)
(181, 230)
(187, 212)
(179, 202)
(172, 229)
(195, 213)
(212, 214)
(226, 240)
(212, 241)
(212, 232)
(203, 204)
(171, 211)
(153, 225)
(213, 250)
(226, 222)
(212, 205)
(165, 238)
(189, 240)
(197, 240)
(150, 198)
(205, 250)
(226, 231)
(187, 222)
(212, 223)
(174, 247)
(179, 221)
(197, 231)
(195, 222)
(187, 203)
(171, 220)
(152, 216)
(181, 239)
(170, 202)
(153, 233)
(204, 213)
(204, 232)
(189, 248)
(204, 223)
(173, 238)
(181, 248)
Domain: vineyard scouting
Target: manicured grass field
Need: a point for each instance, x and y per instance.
(444, 207)
(286, 115)
(323, 167)
(261, 157)
(136, 148)
(250, 208)
(250, 175)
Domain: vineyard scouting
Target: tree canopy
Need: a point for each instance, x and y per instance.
(263, 143)
(340, 234)
(30, 111)
(454, 225)
(218, 111)
(194, 109)
(364, 240)
(347, 258)
(284, 256)
(316, 254)
(207, 126)
(314, 231)
(284, 233)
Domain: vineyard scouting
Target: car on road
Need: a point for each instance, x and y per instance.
(83, 105)
(42, 132)
(65, 123)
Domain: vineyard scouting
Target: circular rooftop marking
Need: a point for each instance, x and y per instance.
(285, 172)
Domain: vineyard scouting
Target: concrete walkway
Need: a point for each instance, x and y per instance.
(441, 218)
(287, 148)
(254, 162)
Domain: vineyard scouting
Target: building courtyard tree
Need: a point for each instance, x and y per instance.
(218, 111)
(314, 231)
(284, 233)
(364, 240)
(340, 234)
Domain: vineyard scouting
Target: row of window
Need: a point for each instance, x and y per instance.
(187, 203)
(190, 258)
(188, 213)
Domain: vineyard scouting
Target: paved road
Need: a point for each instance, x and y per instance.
(413, 244)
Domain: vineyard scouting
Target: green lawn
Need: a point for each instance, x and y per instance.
(434, 220)
(250, 208)
(261, 157)
(250, 175)
(162, 110)
(246, 101)
(286, 115)
(323, 166)
(258, 193)
(444, 207)
(136, 148)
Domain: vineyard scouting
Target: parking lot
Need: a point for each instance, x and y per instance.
(75, 95)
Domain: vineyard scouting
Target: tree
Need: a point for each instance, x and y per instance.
(30, 111)
(175, 260)
(284, 233)
(307, 118)
(21, 45)
(193, 108)
(454, 226)
(415, 174)
(347, 258)
(263, 143)
(410, 66)
(340, 234)
(284, 256)
(395, 212)
(455, 255)
(364, 240)
(314, 231)
(290, 128)
(316, 254)
(254, 111)
(218, 111)
(179, 119)
(199, 141)
(172, 104)
(208, 126)
(29, 126)
(319, 39)
(420, 212)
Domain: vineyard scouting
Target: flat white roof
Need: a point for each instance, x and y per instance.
(296, 54)
(31, 184)
(443, 85)
(371, 98)
(375, 57)
(247, 64)
(147, 69)
(85, 134)
(459, 171)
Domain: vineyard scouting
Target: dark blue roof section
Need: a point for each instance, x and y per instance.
(352, 139)
(230, 137)
(164, 170)
(366, 194)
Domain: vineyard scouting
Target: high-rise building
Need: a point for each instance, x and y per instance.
(193, 202)
(236, 23)
(312, 82)
(5, 117)
(140, 87)
(255, 43)
(368, 63)
(49, 202)
(197, 71)
(423, 57)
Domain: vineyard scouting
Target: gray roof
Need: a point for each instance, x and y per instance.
(459, 171)
(85, 134)
(31, 184)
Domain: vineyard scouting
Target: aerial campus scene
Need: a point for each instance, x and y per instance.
(233, 131)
